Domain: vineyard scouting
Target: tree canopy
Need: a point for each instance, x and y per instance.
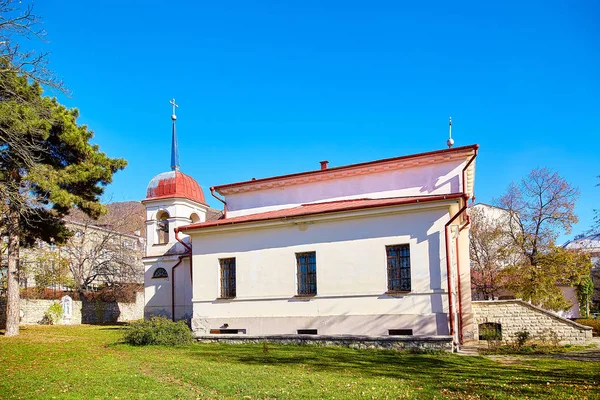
(47, 166)
(520, 253)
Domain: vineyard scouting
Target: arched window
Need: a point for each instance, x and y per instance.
(194, 218)
(162, 227)
(160, 273)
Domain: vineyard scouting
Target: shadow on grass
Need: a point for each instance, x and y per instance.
(442, 371)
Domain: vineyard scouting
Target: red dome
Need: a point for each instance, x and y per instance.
(174, 184)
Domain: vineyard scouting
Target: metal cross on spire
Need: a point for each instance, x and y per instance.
(174, 150)
(173, 116)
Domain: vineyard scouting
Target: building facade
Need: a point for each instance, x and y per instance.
(373, 249)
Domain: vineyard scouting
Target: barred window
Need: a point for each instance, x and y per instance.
(227, 278)
(398, 268)
(307, 273)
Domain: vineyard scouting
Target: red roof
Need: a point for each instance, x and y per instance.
(174, 184)
(407, 161)
(322, 208)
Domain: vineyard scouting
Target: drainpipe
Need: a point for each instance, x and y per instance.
(460, 327)
(212, 192)
(449, 267)
(448, 261)
(189, 249)
(460, 309)
(173, 286)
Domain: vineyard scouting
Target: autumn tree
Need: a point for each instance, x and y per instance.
(491, 250)
(57, 169)
(50, 269)
(540, 208)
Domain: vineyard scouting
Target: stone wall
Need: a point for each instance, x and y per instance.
(517, 316)
(83, 312)
(414, 343)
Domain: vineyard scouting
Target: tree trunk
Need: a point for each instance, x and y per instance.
(13, 298)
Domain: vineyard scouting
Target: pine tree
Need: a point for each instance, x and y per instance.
(47, 166)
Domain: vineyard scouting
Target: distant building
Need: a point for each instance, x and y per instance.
(104, 251)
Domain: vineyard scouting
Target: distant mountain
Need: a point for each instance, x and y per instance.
(126, 217)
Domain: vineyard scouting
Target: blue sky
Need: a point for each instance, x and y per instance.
(268, 88)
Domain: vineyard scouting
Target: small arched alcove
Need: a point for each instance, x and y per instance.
(194, 218)
(162, 227)
(160, 273)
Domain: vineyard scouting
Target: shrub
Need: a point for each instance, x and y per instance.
(521, 337)
(53, 315)
(158, 331)
(594, 323)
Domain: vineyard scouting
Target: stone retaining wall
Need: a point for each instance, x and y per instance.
(416, 343)
(517, 316)
(83, 312)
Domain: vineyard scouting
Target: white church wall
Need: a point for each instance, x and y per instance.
(158, 291)
(351, 276)
(417, 181)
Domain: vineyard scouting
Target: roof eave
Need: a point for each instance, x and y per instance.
(349, 210)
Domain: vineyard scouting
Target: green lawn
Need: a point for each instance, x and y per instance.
(85, 361)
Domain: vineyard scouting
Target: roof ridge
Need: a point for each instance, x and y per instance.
(375, 198)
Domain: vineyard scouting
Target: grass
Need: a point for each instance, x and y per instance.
(74, 362)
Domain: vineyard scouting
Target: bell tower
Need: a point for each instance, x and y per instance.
(173, 199)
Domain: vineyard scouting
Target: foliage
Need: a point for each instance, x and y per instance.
(539, 282)
(491, 333)
(594, 323)
(53, 315)
(541, 207)
(585, 290)
(522, 337)
(102, 255)
(490, 250)
(122, 293)
(49, 269)
(532, 349)
(158, 331)
(91, 365)
(47, 166)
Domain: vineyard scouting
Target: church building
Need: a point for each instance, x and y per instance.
(376, 248)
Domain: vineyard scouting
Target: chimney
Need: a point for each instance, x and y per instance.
(324, 164)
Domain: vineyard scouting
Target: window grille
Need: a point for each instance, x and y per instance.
(160, 273)
(398, 266)
(307, 332)
(228, 289)
(307, 273)
(400, 332)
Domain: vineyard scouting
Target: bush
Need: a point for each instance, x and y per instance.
(158, 331)
(522, 337)
(594, 323)
(53, 315)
